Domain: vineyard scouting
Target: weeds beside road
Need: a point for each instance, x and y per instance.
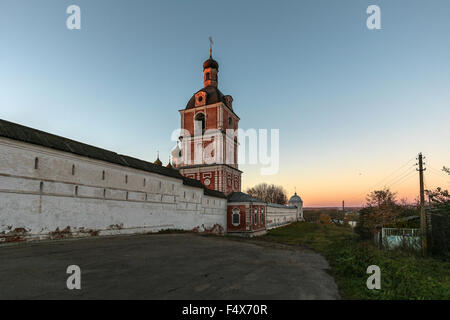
(403, 275)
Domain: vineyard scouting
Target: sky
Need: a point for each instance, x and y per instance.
(354, 106)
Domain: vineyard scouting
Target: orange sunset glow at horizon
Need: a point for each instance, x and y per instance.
(321, 189)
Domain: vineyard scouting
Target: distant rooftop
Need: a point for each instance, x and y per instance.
(242, 197)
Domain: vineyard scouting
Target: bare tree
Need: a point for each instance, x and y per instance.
(268, 193)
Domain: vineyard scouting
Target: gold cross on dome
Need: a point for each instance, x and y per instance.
(211, 42)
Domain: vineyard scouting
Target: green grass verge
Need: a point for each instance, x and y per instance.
(403, 275)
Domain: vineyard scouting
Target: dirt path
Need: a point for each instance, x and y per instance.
(172, 266)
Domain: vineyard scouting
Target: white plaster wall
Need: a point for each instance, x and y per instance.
(278, 216)
(50, 198)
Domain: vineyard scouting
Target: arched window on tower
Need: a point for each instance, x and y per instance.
(199, 124)
(208, 76)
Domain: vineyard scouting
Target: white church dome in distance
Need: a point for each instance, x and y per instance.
(295, 200)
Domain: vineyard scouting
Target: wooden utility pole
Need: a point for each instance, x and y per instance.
(423, 217)
(343, 207)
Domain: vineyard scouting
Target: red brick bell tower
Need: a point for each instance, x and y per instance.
(209, 144)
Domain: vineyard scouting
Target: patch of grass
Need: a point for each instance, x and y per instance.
(403, 275)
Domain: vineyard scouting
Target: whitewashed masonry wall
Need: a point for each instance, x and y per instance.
(47, 193)
(277, 215)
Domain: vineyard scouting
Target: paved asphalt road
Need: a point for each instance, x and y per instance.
(166, 266)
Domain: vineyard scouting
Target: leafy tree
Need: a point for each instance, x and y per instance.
(381, 198)
(268, 193)
(439, 203)
(324, 218)
(439, 200)
(382, 209)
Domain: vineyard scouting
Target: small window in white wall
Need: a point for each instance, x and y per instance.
(236, 217)
(36, 163)
(126, 178)
(103, 175)
(73, 169)
(144, 182)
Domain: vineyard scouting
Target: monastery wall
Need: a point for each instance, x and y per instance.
(278, 215)
(46, 193)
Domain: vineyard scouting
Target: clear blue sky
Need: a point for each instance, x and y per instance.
(351, 104)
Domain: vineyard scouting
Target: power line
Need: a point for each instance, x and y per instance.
(439, 176)
(387, 178)
(402, 179)
(399, 178)
(396, 177)
(438, 172)
(396, 170)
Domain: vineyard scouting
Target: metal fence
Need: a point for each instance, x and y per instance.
(390, 238)
(386, 232)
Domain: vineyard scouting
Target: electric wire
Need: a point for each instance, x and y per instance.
(390, 177)
(402, 179)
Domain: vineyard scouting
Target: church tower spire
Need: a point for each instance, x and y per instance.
(208, 151)
(210, 69)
